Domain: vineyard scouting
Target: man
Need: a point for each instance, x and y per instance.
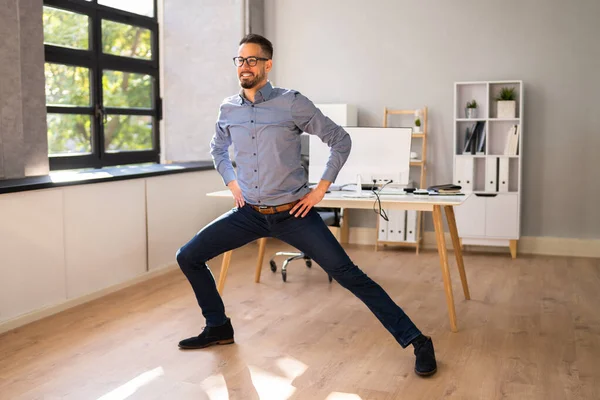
(273, 200)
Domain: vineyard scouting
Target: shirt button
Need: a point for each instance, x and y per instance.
(254, 153)
(252, 121)
(252, 105)
(254, 170)
(255, 187)
(252, 137)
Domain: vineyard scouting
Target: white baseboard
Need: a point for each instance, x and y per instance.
(559, 246)
(54, 309)
(526, 245)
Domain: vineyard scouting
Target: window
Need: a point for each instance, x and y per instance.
(102, 80)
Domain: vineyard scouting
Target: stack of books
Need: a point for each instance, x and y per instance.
(512, 141)
(446, 190)
(475, 139)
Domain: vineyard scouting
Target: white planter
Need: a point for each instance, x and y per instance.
(507, 109)
(417, 129)
(471, 112)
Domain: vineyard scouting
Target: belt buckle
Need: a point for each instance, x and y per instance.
(263, 207)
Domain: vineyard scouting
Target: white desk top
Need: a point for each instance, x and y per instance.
(341, 199)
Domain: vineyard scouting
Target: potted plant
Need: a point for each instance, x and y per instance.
(507, 104)
(471, 109)
(417, 128)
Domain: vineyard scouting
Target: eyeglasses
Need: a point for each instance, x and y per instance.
(251, 61)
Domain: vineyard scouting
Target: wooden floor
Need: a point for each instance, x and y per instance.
(531, 331)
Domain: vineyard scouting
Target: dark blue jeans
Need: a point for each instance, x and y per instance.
(311, 236)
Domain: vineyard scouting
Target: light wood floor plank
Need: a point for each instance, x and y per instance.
(531, 331)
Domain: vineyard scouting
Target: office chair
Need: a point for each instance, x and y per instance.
(331, 217)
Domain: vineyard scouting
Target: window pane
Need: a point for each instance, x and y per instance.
(66, 29)
(69, 134)
(126, 40)
(126, 89)
(142, 7)
(128, 132)
(67, 85)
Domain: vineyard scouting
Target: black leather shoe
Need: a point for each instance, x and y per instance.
(425, 364)
(210, 336)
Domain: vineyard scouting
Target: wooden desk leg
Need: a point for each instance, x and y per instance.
(223, 274)
(419, 226)
(457, 249)
(513, 248)
(441, 244)
(262, 242)
(344, 228)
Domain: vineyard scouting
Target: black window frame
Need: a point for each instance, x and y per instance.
(97, 61)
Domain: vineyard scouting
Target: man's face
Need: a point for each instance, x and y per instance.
(251, 77)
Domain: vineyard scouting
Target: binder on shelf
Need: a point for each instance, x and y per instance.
(411, 226)
(491, 174)
(465, 170)
(515, 149)
(503, 174)
(512, 141)
(475, 139)
(481, 139)
(382, 235)
(396, 226)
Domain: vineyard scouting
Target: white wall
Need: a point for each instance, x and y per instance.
(200, 38)
(406, 54)
(62, 246)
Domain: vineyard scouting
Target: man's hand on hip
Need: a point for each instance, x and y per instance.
(237, 193)
(310, 199)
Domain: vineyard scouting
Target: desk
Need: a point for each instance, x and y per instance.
(401, 202)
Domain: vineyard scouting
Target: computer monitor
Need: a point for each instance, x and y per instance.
(377, 153)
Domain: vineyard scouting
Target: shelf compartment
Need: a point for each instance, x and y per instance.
(494, 90)
(461, 135)
(465, 92)
(513, 174)
(479, 175)
(498, 136)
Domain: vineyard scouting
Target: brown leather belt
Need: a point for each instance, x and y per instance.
(274, 209)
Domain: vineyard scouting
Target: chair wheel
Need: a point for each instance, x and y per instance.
(284, 276)
(273, 266)
(330, 278)
(308, 263)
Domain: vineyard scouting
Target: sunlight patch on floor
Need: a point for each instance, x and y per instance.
(129, 388)
(215, 387)
(343, 396)
(270, 386)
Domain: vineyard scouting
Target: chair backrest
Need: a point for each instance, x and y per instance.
(331, 216)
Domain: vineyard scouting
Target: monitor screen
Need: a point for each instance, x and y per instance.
(377, 153)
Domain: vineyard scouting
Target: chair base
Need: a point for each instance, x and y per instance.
(290, 257)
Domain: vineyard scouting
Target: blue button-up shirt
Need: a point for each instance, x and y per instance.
(266, 142)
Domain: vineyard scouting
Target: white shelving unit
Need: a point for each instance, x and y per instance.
(405, 227)
(492, 215)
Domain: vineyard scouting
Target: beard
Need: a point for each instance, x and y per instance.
(249, 83)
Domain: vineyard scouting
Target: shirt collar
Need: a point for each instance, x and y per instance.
(265, 93)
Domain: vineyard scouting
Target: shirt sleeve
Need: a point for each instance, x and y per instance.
(219, 150)
(311, 120)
